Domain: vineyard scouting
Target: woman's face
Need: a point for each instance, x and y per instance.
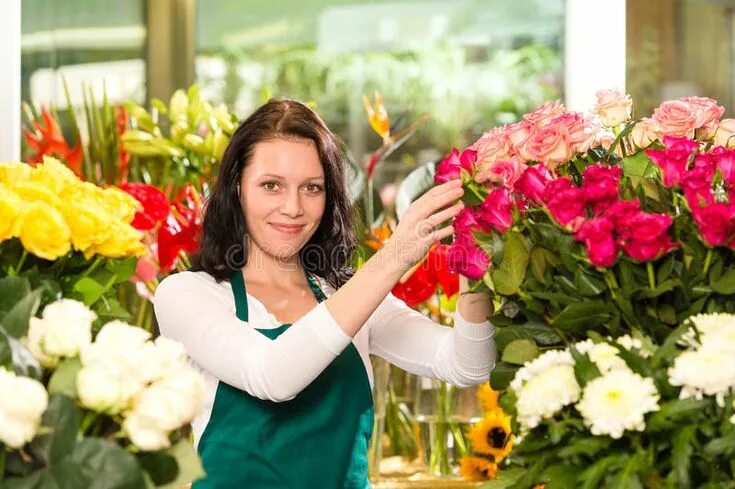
(282, 195)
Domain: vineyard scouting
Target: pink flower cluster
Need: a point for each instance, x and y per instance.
(685, 117)
(548, 135)
(708, 182)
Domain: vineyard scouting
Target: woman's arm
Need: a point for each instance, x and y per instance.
(475, 307)
(463, 355)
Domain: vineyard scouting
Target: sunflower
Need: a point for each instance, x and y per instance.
(488, 397)
(492, 435)
(477, 468)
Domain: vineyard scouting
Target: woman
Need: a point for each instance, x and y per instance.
(282, 331)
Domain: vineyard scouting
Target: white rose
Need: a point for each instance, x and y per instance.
(37, 329)
(725, 132)
(100, 390)
(145, 434)
(69, 327)
(613, 107)
(22, 403)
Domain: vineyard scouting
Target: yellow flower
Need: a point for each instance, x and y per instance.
(54, 175)
(13, 171)
(10, 211)
(44, 232)
(124, 241)
(121, 204)
(87, 216)
(35, 192)
(488, 397)
(378, 116)
(477, 468)
(492, 435)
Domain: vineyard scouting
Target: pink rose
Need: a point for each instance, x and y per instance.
(644, 133)
(597, 236)
(708, 114)
(725, 132)
(450, 168)
(581, 132)
(674, 159)
(601, 184)
(676, 118)
(645, 236)
(533, 182)
(517, 133)
(497, 210)
(465, 222)
(621, 211)
(506, 172)
(544, 112)
(613, 107)
(491, 147)
(467, 259)
(685, 145)
(566, 203)
(548, 144)
(716, 223)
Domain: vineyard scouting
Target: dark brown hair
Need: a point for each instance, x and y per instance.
(223, 248)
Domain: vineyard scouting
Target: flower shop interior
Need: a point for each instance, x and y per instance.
(591, 139)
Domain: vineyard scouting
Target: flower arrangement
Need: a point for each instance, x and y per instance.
(116, 402)
(601, 236)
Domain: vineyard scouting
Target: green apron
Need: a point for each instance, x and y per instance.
(317, 440)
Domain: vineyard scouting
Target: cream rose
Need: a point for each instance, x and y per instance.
(613, 107)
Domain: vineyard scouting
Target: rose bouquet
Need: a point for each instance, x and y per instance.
(593, 228)
(76, 412)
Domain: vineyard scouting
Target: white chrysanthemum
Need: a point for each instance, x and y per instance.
(69, 327)
(630, 343)
(709, 370)
(545, 395)
(540, 364)
(714, 329)
(617, 401)
(543, 386)
(604, 355)
(22, 403)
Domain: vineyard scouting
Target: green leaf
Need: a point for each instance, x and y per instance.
(64, 419)
(65, 474)
(726, 283)
(721, 446)
(160, 467)
(17, 304)
(16, 357)
(681, 455)
(668, 349)
(506, 478)
(559, 476)
(123, 268)
(587, 284)
(541, 333)
(585, 446)
(520, 351)
(90, 290)
(628, 477)
(592, 477)
(660, 289)
(510, 273)
(637, 165)
(672, 412)
(538, 263)
(188, 462)
(581, 316)
(584, 368)
(509, 334)
(107, 465)
(533, 475)
(64, 379)
(502, 375)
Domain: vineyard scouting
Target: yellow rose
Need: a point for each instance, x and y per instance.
(54, 175)
(36, 192)
(124, 241)
(12, 172)
(10, 211)
(121, 204)
(88, 218)
(44, 232)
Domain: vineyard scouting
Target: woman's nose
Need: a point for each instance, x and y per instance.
(292, 205)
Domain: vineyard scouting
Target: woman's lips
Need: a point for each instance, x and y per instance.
(290, 229)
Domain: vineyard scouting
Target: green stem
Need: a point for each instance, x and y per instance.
(89, 418)
(2, 462)
(16, 270)
(707, 260)
(651, 275)
(611, 282)
(98, 259)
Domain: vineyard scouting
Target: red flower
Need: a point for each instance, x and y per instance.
(155, 205)
(645, 236)
(450, 168)
(533, 182)
(601, 184)
(468, 259)
(716, 223)
(181, 229)
(496, 211)
(422, 282)
(597, 236)
(697, 186)
(46, 139)
(566, 202)
(674, 159)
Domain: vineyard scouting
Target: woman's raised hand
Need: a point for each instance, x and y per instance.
(419, 228)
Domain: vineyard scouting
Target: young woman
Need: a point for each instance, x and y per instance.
(282, 330)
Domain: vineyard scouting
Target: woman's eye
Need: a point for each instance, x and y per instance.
(314, 188)
(270, 186)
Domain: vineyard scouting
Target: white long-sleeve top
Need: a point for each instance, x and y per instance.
(192, 308)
